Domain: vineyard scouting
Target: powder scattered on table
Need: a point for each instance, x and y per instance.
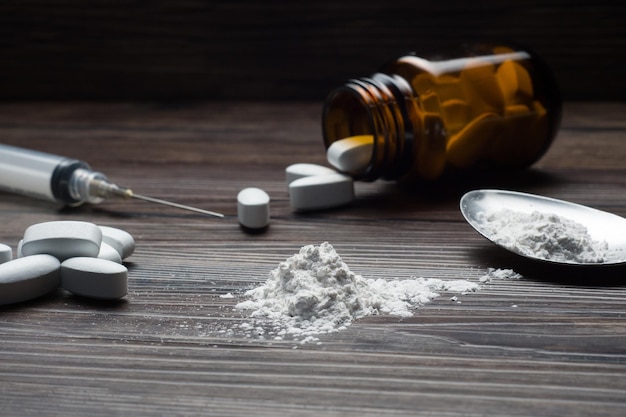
(499, 273)
(227, 295)
(543, 235)
(315, 292)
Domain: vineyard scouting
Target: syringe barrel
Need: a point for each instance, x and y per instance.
(38, 174)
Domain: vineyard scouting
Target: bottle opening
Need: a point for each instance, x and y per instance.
(348, 114)
(364, 110)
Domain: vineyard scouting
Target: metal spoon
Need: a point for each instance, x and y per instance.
(601, 226)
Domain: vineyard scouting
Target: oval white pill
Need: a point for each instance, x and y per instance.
(63, 239)
(109, 253)
(122, 241)
(301, 170)
(6, 253)
(28, 278)
(18, 251)
(94, 278)
(352, 154)
(321, 192)
(253, 208)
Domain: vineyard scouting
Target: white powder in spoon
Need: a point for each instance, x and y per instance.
(543, 235)
(314, 292)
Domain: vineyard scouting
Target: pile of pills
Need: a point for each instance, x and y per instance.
(80, 257)
(311, 186)
(316, 187)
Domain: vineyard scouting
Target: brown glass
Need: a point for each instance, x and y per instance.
(489, 107)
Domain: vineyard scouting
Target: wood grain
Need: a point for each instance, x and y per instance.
(549, 344)
(65, 49)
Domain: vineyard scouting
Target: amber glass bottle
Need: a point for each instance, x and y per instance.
(488, 107)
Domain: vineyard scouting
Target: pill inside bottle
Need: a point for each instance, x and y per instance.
(485, 107)
(351, 154)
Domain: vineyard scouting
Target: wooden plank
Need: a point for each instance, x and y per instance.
(282, 50)
(548, 344)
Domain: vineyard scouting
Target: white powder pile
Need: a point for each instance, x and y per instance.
(498, 273)
(314, 292)
(544, 235)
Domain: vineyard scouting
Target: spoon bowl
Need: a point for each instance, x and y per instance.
(606, 230)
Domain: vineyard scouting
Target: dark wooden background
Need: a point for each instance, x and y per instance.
(249, 49)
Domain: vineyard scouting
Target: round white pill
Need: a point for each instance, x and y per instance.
(253, 208)
(6, 253)
(109, 253)
(94, 278)
(28, 278)
(321, 192)
(63, 239)
(301, 170)
(119, 239)
(352, 154)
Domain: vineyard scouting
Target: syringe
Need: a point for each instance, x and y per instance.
(69, 181)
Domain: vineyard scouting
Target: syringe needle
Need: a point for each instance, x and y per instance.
(172, 204)
(103, 188)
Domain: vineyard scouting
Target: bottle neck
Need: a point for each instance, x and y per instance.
(380, 106)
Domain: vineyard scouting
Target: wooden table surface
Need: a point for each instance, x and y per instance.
(551, 343)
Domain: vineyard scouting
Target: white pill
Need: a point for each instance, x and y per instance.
(27, 278)
(121, 240)
(253, 208)
(94, 278)
(352, 154)
(63, 239)
(109, 253)
(18, 251)
(297, 171)
(321, 192)
(6, 253)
